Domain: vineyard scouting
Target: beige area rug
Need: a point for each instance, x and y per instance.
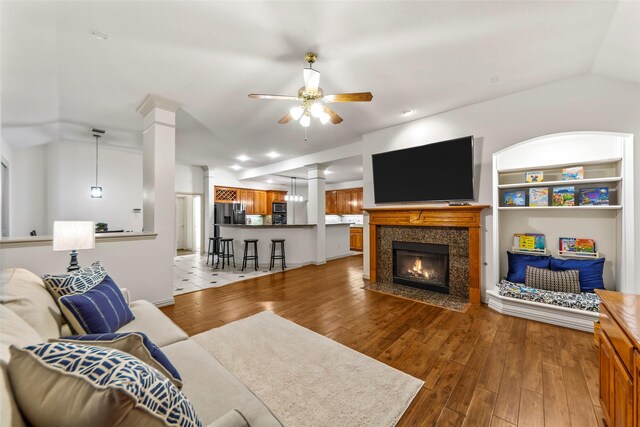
(307, 379)
(450, 302)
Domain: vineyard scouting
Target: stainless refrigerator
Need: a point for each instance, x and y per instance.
(227, 213)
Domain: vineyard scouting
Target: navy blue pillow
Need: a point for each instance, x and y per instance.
(518, 265)
(153, 351)
(590, 271)
(100, 310)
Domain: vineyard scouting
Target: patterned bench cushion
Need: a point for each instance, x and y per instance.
(583, 301)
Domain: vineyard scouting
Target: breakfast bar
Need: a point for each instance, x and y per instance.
(299, 241)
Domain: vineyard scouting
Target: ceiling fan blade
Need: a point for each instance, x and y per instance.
(349, 97)
(286, 119)
(335, 118)
(277, 97)
(311, 80)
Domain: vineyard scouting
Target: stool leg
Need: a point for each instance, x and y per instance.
(233, 254)
(225, 252)
(218, 259)
(244, 257)
(272, 254)
(284, 258)
(255, 253)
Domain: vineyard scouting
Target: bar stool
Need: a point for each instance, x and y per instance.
(281, 256)
(226, 252)
(246, 257)
(213, 249)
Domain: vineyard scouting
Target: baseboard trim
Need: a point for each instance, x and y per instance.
(165, 302)
(555, 315)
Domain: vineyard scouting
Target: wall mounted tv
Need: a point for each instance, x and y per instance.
(441, 171)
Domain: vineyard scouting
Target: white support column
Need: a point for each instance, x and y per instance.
(158, 178)
(209, 205)
(316, 209)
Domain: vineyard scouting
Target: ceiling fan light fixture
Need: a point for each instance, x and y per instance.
(305, 121)
(316, 109)
(296, 112)
(324, 118)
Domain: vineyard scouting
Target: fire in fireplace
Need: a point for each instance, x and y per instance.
(421, 265)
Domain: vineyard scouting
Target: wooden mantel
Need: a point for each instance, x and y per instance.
(431, 216)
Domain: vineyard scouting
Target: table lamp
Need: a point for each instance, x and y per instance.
(73, 235)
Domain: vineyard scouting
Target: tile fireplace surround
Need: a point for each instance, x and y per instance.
(456, 226)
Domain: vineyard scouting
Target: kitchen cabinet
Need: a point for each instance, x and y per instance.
(344, 202)
(225, 195)
(246, 198)
(355, 238)
(619, 339)
(331, 203)
(259, 202)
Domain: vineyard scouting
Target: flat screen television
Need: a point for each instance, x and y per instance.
(441, 171)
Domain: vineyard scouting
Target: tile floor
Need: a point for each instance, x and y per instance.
(191, 273)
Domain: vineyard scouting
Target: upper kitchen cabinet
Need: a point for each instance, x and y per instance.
(344, 202)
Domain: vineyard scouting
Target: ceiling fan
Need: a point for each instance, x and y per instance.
(312, 98)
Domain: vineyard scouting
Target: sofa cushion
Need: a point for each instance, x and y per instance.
(518, 265)
(24, 293)
(158, 327)
(63, 384)
(13, 331)
(233, 418)
(212, 389)
(100, 310)
(78, 281)
(136, 344)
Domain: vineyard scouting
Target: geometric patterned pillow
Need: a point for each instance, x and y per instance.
(76, 282)
(63, 384)
(136, 344)
(558, 281)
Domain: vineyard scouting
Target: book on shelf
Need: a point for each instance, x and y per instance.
(564, 196)
(539, 196)
(534, 176)
(514, 198)
(576, 172)
(575, 245)
(594, 196)
(529, 242)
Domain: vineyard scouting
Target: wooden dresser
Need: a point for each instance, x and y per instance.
(619, 339)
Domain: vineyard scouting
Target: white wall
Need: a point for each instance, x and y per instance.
(189, 179)
(28, 188)
(344, 185)
(587, 102)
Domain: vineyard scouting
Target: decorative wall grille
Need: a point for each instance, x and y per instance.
(226, 195)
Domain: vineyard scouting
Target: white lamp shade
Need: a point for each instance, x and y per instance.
(73, 235)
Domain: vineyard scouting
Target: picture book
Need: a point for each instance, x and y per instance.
(514, 198)
(529, 242)
(534, 176)
(564, 196)
(572, 244)
(576, 172)
(539, 196)
(594, 196)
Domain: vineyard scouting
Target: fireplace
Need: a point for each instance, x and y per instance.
(421, 265)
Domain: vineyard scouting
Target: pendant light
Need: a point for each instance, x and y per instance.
(293, 197)
(96, 191)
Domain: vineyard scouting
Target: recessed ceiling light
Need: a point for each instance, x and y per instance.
(269, 181)
(242, 158)
(236, 167)
(327, 172)
(407, 112)
(273, 154)
(98, 35)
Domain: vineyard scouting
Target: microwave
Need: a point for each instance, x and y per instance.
(279, 207)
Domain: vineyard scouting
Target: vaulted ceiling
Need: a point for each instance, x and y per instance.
(58, 80)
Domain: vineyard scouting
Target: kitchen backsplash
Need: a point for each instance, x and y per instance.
(337, 219)
(255, 219)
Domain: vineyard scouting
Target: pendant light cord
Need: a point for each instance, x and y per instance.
(97, 138)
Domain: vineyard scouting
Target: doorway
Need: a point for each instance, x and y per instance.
(188, 223)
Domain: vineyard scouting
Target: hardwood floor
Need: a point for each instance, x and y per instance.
(480, 368)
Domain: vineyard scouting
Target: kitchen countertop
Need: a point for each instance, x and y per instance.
(268, 225)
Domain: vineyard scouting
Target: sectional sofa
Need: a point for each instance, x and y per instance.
(29, 315)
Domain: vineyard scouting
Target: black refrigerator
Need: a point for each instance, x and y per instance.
(227, 213)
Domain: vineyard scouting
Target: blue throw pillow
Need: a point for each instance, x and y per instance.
(590, 271)
(76, 282)
(136, 344)
(63, 384)
(100, 310)
(518, 265)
